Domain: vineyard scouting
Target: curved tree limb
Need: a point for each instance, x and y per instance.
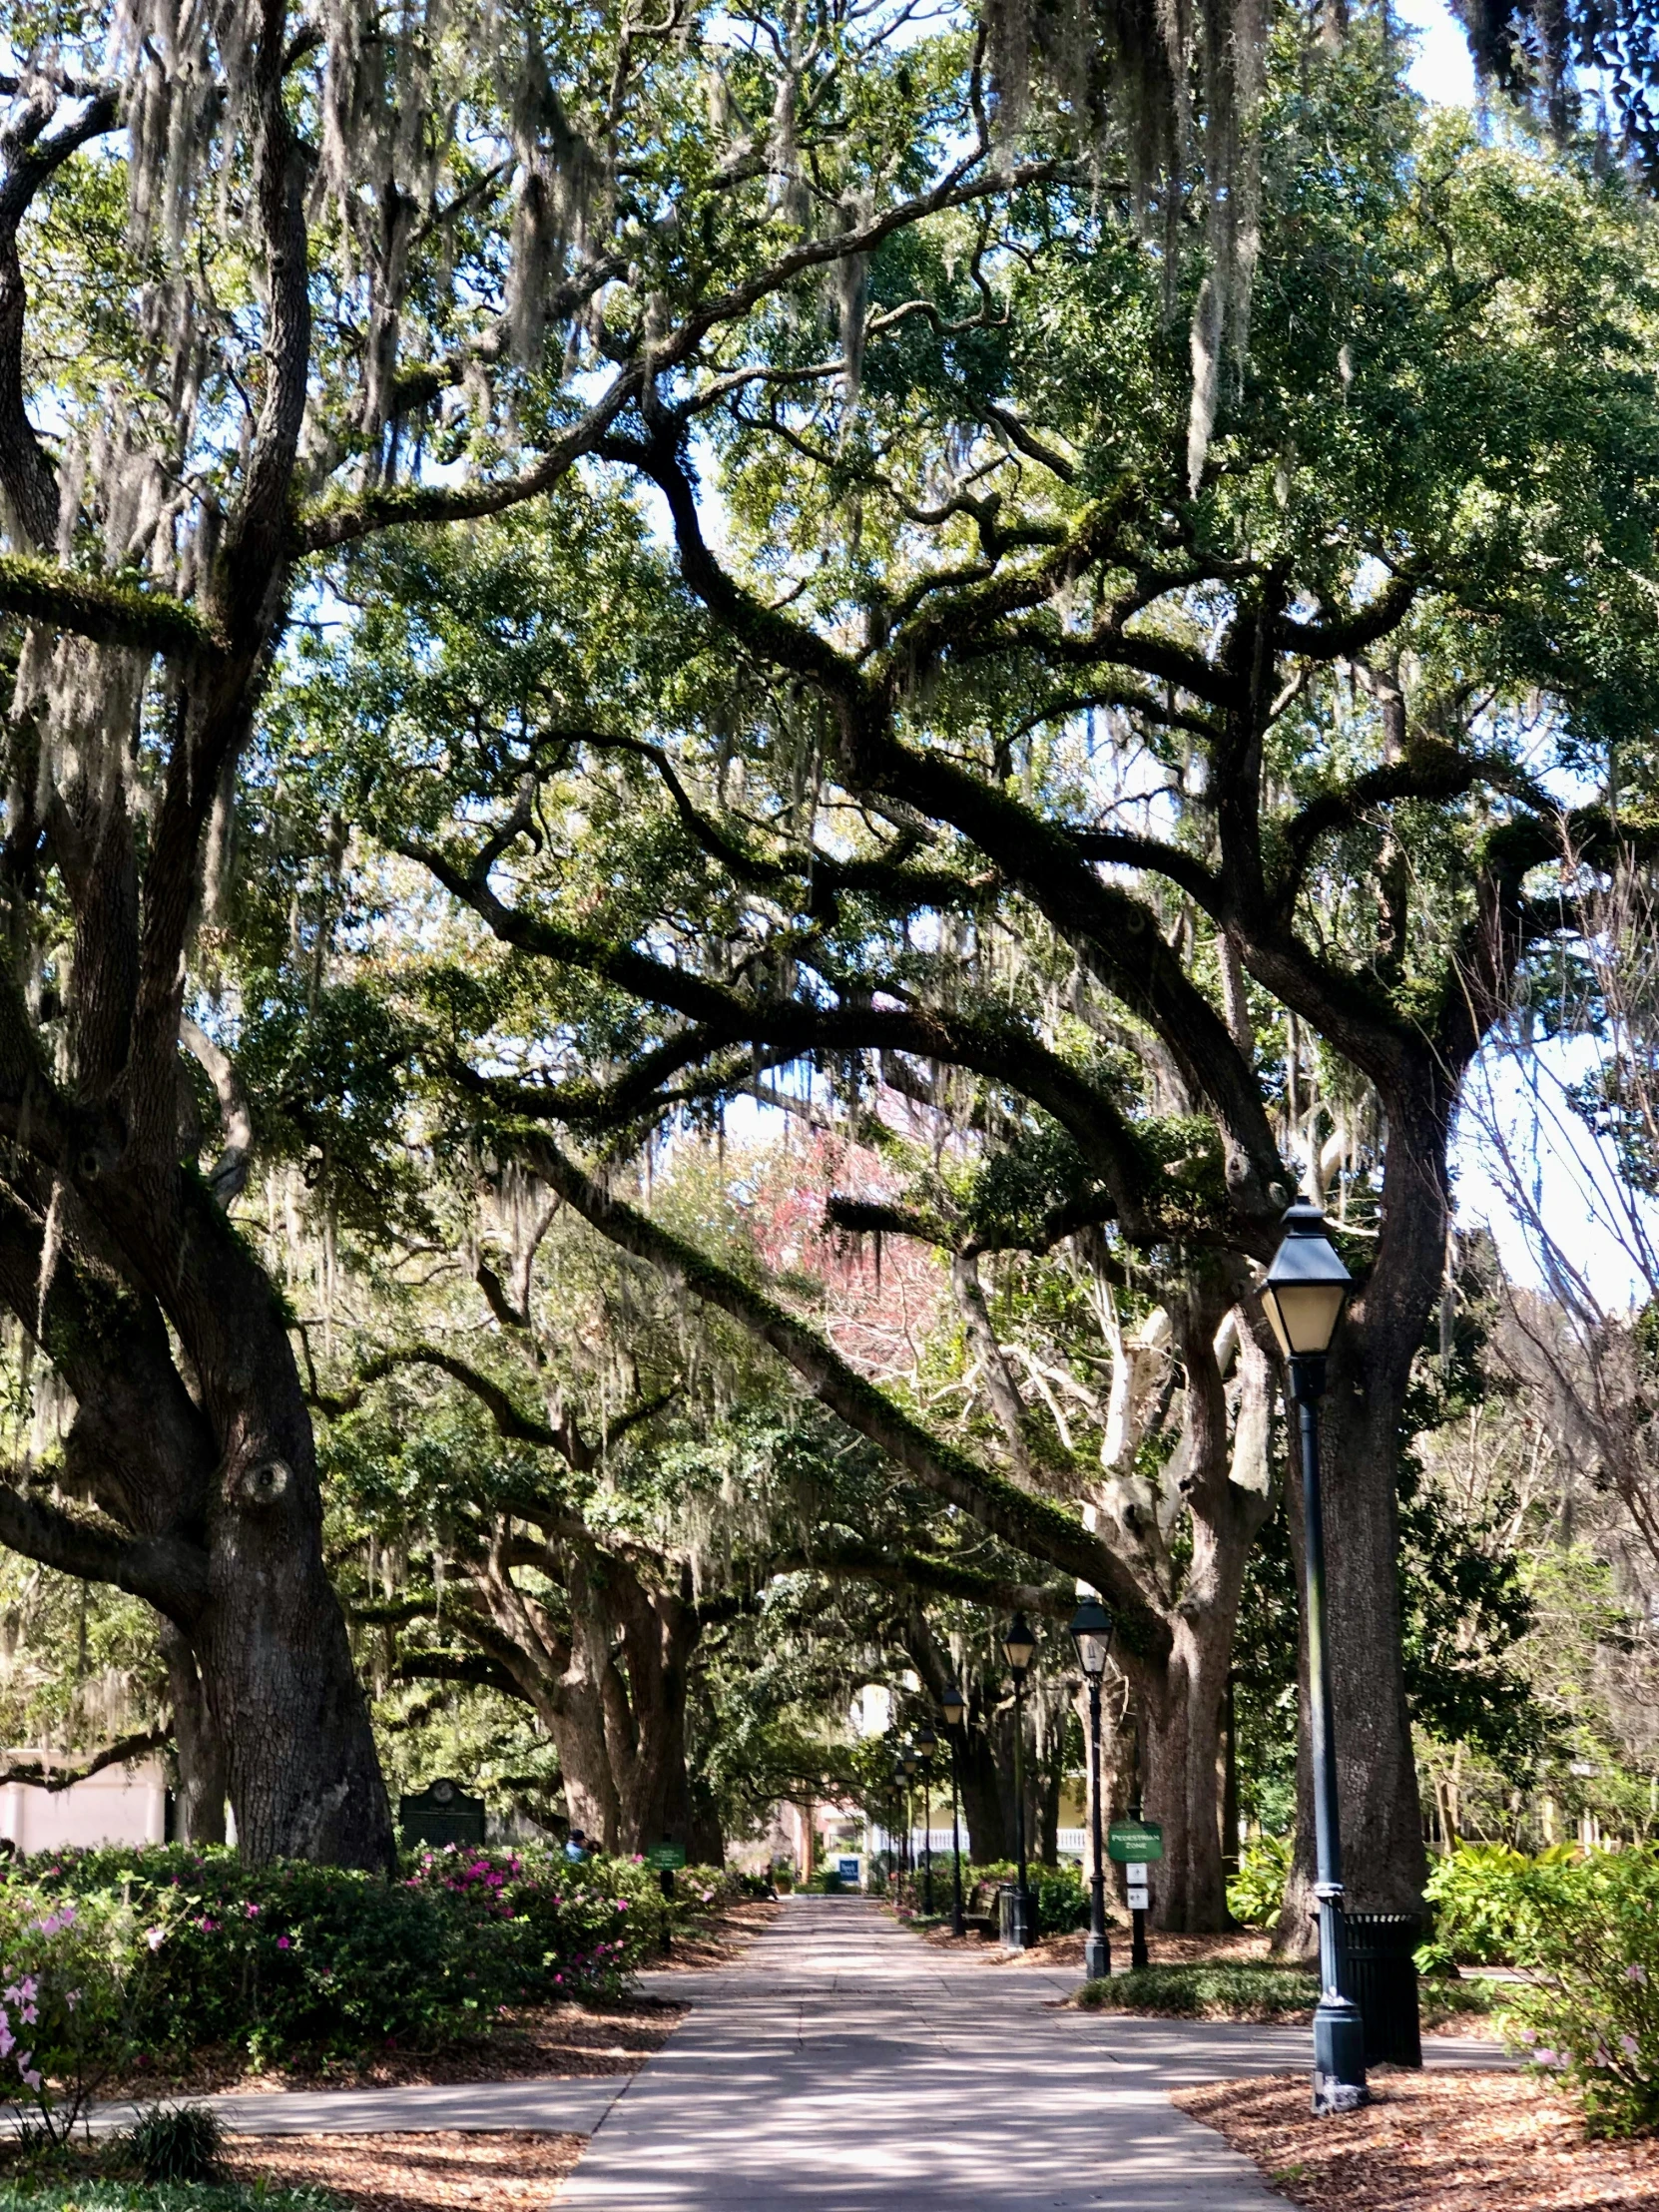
(1034, 1525)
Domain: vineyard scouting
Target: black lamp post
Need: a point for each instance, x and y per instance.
(954, 1709)
(926, 1744)
(909, 1761)
(1091, 1630)
(1303, 1294)
(900, 1787)
(1018, 1647)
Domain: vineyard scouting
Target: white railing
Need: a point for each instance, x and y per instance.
(1071, 1842)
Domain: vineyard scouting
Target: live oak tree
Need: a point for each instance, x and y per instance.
(552, 1480)
(1026, 781)
(269, 282)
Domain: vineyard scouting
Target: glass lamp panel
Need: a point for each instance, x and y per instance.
(1018, 1644)
(1304, 1315)
(1091, 1652)
(952, 1707)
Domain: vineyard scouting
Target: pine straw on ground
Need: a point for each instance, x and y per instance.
(529, 2043)
(1429, 2142)
(1067, 1951)
(439, 2173)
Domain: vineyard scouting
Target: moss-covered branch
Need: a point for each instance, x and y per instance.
(108, 614)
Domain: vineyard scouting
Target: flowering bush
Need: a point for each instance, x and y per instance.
(1590, 2015)
(72, 1978)
(295, 1959)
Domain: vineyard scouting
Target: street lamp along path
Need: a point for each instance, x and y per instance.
(1091, 1632)
(1303, 1295)
(1020, 1647)
(953, 1711)
(926, 1744)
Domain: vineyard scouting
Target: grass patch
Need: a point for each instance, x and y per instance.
(1254, 1990)
(77, 2194)
(1244, 1991)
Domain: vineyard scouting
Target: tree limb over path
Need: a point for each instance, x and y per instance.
(1034, 1525)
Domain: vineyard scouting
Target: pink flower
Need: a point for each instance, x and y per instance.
(1635, 1974)
(31, 2080)
(1629, 2045)
(155, 1938)
(283, 1944)
(252, 1910)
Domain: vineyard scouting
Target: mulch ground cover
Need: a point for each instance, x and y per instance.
(529, 2043)
(1429, 2142)
(447, 2172)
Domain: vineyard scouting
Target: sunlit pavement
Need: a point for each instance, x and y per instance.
(844, 2064)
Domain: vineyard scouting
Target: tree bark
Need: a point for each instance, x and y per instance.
(1385, 1863)
(204, 1774)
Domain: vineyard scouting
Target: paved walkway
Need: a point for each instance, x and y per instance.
(842, 2065)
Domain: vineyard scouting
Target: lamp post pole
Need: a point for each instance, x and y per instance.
(1091, 1630)
(1339, 2032)
(1303, 1296)
(928, 1836)
(1018, 1648)
(953, 1707)
(1022, 1892)
(926, 1744)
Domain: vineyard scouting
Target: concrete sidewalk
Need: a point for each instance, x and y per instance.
(844, 2066)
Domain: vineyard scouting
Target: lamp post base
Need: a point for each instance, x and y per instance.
(1097, 1958)
(1338, 2056)
(1014, 1917)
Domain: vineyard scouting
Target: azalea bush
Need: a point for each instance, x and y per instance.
(295, 1959)
(1589, 2014)
(73, 1980)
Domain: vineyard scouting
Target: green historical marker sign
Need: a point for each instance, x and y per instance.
(1134, 1843)
(668, 1857)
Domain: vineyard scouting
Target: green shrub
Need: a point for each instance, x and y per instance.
(176, 2143)
(1486, 1901)
(1591, 2012)
(1256, 1893)
(1059, 1897)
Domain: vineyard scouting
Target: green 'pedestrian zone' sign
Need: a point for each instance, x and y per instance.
(666, 1855)
(1134, 1843)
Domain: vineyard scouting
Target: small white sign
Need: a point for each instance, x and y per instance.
(1138, 1897)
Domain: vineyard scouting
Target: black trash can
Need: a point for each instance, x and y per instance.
(1382, 1981)
(1013, 1916)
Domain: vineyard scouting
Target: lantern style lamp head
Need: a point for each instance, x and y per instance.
(1091, 1632)
(926, 1742)
(1018, 1644)
(1303, 1294)
(908, 1761)
(953, 1706)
